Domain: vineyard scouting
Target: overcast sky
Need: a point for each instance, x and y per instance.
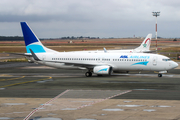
(95, 18)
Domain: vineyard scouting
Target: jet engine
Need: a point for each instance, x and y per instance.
(103, 70)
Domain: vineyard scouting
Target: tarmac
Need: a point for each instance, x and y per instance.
(36, 92)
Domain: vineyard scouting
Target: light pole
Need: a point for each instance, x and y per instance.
(156, 14)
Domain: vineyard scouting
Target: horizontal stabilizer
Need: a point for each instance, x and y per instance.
(34, 56)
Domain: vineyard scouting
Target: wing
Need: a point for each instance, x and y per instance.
(22, 54)
(151, 51)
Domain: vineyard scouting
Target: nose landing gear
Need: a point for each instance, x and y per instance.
(159, 75)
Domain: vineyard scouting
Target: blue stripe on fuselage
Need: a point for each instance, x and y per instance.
(141, 63)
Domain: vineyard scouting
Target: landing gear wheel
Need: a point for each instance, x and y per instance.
(159, 75)
(88, 74)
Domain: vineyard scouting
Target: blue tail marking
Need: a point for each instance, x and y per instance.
(29, 36)
(35, 48)
(31, 41)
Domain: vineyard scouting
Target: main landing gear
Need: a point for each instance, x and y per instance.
(88, 74)
(159, 75)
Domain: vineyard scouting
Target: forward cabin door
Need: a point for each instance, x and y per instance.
(154, 61)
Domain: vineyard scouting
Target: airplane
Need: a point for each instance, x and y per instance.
(97, 63)
(143, 48)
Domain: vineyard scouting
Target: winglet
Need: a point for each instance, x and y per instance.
(34, 55)
(105, 50)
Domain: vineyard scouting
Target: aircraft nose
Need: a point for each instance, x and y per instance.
(174, 65)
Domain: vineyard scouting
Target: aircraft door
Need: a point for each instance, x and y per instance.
(155, 61)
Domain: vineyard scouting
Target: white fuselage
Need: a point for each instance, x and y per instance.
(99, 63)
(118, 61)
(114, 51)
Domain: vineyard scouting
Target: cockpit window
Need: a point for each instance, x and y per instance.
(166, 59)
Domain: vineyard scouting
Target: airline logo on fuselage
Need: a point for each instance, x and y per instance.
(135, 57)
(124, 56)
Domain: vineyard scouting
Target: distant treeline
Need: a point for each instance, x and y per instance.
(76, 38)
(20, 38)
(11, 38)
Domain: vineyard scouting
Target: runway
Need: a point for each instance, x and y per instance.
(28, 87)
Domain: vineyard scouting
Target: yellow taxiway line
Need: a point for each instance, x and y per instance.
(12, 78)
(24, 82)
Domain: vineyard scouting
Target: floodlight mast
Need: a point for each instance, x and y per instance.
(156, 14)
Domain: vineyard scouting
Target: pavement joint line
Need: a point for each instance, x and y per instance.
(141, 109)
(103, 99)
(31, 113)
(12, 78)
(24, 82)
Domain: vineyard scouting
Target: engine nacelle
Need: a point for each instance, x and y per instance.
(103, 70)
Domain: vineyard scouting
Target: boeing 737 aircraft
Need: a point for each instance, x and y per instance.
(143, 48)
(97, 63)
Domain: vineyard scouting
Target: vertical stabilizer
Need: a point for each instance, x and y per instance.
(31, 40)
(145, 46)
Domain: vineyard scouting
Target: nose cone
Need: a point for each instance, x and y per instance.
(174, 65)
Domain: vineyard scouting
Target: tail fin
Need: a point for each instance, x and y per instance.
(145, 45)
(31, 40)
